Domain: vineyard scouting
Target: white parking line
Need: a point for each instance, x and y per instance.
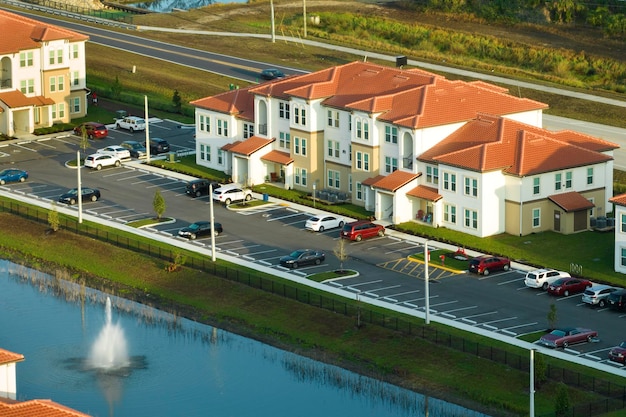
(296, 222)
(482, 314)
(497, 321)
(284, 217)
(373, 294)
(354, 286)
(163, 184)
(519, 325)
(18, 145)
(231, 242)
(245, 247)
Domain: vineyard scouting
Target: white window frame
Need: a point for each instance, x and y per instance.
(590, 176)
(470, 218)
(284, 140)
(536, 218)
(332, 118)
(449, 213)
(449, 181)
(391, 134)
(536, 185)
(391, 164)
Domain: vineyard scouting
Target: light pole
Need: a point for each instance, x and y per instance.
(80, 193)
(532, 383)
(427, 306)
(314, 195)
(212, 217)
(145, 99)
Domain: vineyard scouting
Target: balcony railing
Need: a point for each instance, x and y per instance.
(263, 129)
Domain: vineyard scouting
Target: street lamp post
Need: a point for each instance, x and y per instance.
(80, 193)
(147, 129)
(212, 217)
(532, 383)
(426, 295)
(314, 195)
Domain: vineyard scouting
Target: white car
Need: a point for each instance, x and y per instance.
(542, 278)
(118, 152)
(598, 294)
(131, 123)
(101, 160)
(231, 192)
(322, 222)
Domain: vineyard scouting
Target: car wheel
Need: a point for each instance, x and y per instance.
(565, 293)
(72, 201)
(294, 265)
(22, 179)
(321, 229)
(117, 163)
(2, 182)
(117, 126)
(227, 201)
(99, 167)
(248, 197)
(544, 286)
(340, 224)
(565, 344)
(198, 193)
(486, 272)
(358, 238)
(192, 236)
(131, 129)
(602, 303)
(506, 267)
(318, 261)
(381, 233)
(589, 338)
(94, 198)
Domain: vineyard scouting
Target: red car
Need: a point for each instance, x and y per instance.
(93, 129)
(485, 264)
(569, 286)
(567, 336)
(618, 353)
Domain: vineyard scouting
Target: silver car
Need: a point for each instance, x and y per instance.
(598, 294)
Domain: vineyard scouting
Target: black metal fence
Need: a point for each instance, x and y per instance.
(615, 394)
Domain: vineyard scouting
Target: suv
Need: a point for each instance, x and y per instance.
(231, 192)
(617, 300)
(131, 123)
(99, 160)
(158, 145)
(542, 278)
(360, 230)
(136, 149)
(92, 129)
(196, 188)
(598, 294)
(485, 264)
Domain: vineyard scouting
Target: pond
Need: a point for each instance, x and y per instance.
(166, 6)
(171, 366)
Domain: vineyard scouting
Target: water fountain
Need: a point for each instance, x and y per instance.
(109, 351)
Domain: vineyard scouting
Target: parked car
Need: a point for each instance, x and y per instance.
(302, 257)
(88, 194)
(485, 264)
(116, 151)
(567, 336)
(271, 73)
(617, 300)
(197, 229)
(542, 278)
(99, 160)
(200, 187)
(322, 222)
(13, 175)
(568, 286)
(618, 353)
(136, 149)
(158, 146)
(361, 229)
(231, 192)
(598, 294)
(131, 123)
(94, 130)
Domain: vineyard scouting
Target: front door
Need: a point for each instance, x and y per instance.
(557, 221)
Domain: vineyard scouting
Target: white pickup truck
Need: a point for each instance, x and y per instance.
(131, 123)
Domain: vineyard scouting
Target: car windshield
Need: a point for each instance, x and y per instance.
(296, 253)
(559, 333)
(559, 282)
(194, 226)
(5, 172)
(622, 345)
(314, 219)
(73, 191)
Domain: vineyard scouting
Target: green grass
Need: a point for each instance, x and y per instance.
(449, 260)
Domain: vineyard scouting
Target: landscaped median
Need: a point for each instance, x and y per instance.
(452, 261)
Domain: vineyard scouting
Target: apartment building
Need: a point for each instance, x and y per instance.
(43, 75)
(407, 144)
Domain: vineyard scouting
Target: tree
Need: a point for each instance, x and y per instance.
(562, 401)
(177, 102)
(552, 317)
(158, 204)
(541, 370)
(53, 217)
(341, 253)
(116, 89)
(84, 139)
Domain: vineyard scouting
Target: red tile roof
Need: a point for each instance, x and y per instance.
(571, 201)
(250, 145)
(278, 157)
(373, 180)
(15, 99)
(394, 180)
(490, 143)
(37, 408)
(21, 33)
(10, 357)
(620, 200)
(229, 146)
(425, 192)
(239, 103)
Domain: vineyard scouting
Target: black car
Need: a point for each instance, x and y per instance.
(271, 73)
(197, 229)
(88, 194)
(617, 300)
(158, 145)
(136, 149)
(302, 257)
(197, 188)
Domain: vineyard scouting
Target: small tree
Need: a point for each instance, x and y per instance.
(84, 139)
(552, 317)
(562, 401)
(541, 370)
(177, 101)
(341, 253)
(158, 204)
(53, 217)
(116, 88)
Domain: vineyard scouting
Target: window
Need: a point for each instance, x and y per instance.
(536, 183)
(349, 182)
(623, 223)
(391, 134)
(208, 153)
(366, 130)
(449, 213)
(333, 118)
(248, 130)
(366, 162)
(432, 175)
(589, 176)
(299, 146)
(350, 152)
(568, 179)
(60, 83)
(61, 108)
(391, 164)
(623, 257)
(53, 84)
(203, 123)
(220, 157)
(299, 115)
(27, 86)
(75, 51)
(75, 78)
(359, 128)
(362, 161)
(471, 187)
(75, 105)
(300, 176)
(449, 182)
(333, 179)
(283, 110)
(51, 57)
(557, 181)
(284, 140)
(202, 151)
(362, 129)
(536, 217)
(471, 219)
(59, 56)
(359, 191)
(26, 59)
(333, 148)
(350, 122)
(592, 211)
(222, 127)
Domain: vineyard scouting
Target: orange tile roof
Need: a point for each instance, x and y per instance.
(21, 33)
(394, 180)
(620, 200)
(250, 145)
(229, 146)
(571, 201)
(425, 192)
(15, 99)
(490, 143)
(239, 103)
(37, 408)
(278, 157)
(373, 180)
(9, 357)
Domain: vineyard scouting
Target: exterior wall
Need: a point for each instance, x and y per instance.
(8, 384)
(208, 143)
(533, 118)
(620, 239)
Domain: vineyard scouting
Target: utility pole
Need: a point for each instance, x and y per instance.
(304, 15)
(80, 193)
(426, 256)
(147, 129)
(272, 17)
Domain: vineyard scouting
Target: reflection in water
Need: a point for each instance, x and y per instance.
(166, 6)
